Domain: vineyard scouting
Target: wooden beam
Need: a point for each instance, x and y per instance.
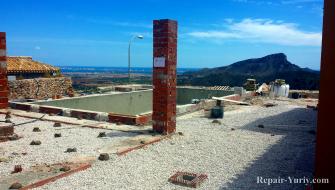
(232, 101)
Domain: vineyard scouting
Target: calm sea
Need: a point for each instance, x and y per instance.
(116, 70)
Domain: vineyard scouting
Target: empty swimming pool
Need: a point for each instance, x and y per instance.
(131, 104)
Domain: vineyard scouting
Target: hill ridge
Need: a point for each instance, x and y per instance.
(264, 69)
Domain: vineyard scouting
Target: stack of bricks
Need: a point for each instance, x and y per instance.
(3, 72)
(164, 76)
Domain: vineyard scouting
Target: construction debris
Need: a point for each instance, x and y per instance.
(250, 85)
(14, 137)
(36, 142)
(219, 88)
(16, 185)
(260, 126)
(57, 124)
(36, 129)
(267, 105)
(264, 88)
(102, 134)
(195, 101)
(103, 157)
(279, 88)
(71, 150)
(232, 101)
(215, 121)
(65, 168)
(8, 116)
(4, 159)
(17, 169)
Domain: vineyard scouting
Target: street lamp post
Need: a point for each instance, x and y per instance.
(131, 39)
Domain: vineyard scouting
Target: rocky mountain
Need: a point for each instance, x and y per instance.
(263, 69)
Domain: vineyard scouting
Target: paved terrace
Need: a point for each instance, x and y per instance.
(232, 153)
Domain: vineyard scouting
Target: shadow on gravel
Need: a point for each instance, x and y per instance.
(115, 134)
(292, 156)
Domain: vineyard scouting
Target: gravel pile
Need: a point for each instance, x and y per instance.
(232, 159)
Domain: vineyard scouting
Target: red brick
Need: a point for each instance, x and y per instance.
(3, 73)
(143, 119)
(164, 78)
(3, 93)
(6, 130)
(50, 110)
(24, 107)
(83, 114)
(3, 105)
(3, 100)
(4, 87)
(126, 119)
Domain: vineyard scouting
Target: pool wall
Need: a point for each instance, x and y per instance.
(128, 103)
(132, 108)
(186, 94)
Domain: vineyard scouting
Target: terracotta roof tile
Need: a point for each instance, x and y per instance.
(24, 64)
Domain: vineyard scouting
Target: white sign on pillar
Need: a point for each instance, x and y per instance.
(159, 62)
(3, 64)
(2, 52)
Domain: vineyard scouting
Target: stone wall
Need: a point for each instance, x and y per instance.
(39, 88)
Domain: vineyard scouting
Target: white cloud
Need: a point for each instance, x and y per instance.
(263, 31)
(37, 47)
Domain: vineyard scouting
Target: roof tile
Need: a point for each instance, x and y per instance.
(25, 64)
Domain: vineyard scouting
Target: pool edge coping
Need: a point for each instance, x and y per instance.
(140, 119)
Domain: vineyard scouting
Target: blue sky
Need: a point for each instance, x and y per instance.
(211, 32)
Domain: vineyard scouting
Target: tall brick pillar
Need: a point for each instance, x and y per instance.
(3, 72)
(325, 136)
(164, 75)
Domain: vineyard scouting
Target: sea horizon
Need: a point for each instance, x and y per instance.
(110, 69)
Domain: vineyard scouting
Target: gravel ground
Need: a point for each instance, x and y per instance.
(232, 159)
(52, 150)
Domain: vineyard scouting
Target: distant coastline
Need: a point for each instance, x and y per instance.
(116, 70)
